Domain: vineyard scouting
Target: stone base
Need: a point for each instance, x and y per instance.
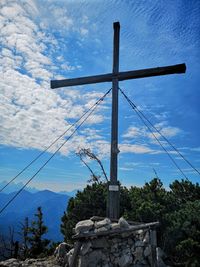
(106, 244)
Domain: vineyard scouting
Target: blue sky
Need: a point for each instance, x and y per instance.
(44, 40)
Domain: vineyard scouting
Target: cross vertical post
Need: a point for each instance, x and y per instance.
(115, 77)
(113, 193)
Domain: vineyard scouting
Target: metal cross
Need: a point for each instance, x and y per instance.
(115, 77)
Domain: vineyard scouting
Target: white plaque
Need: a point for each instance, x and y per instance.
(113, 187)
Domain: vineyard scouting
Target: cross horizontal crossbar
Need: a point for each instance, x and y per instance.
(121, 76)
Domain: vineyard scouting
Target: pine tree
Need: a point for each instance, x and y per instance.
(25, 237)
(37, 230)
(90, 202)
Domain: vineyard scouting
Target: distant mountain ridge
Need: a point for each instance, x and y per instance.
(70, 193)
(25, 205)
(12, 187)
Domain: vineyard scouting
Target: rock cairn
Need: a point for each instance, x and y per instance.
(102, 243)
(119, 244)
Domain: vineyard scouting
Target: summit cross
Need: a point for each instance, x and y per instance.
(115, 77)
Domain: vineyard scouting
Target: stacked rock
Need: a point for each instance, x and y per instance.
(101, 243)
(108, 244)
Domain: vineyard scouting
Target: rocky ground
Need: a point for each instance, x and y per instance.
(100, 242)
(43, 262)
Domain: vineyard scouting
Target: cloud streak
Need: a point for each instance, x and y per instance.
(41, 44)
(32, 116)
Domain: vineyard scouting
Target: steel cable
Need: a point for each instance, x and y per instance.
(18, 192)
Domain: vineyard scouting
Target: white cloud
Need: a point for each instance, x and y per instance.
(102, 148)
(84, 31)
(136, 149)
(91, 133)
(142, 135)
(196, 149)
(32, 116)
(133, 164)
(167, 131)
(125, 169)
(133, 132)
(59, 16)
(142, 132)
(61, 19)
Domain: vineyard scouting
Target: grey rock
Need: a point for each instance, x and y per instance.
(122, 249)
(130, 241)
(138, 254)
(102, 229)
(84, 226)
(107, 265)
(112, 258)
(116, 261)
(147, 251)
(146, 238)
(100, 243)
(11, 262)
(61, 251)
(133, 248)
(123, 223)
(125, 260)
(43, 262)
(116, 240)
(104, 223)
(114, 248)
(139, 243)
(29, 261)
(126, 251)
(140, 265)
(126, 235)
(85, 248)
(69, 257)
(144, 262)
(92, 259)
(115, 226)
(140, 232)
(139, 235)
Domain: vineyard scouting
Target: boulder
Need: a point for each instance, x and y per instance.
(146, 239)
(138, 254)
(123, 223)
(140, 234)
(85, 248)
(102, 229)
(104, 223)
(100, 243)
(61, 251)
(147, 251)
(139, 243)
(115, 226)
(84, 226)
(92, 259)
(69, 257)
(125, 260)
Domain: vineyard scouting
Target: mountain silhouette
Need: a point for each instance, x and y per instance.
(25, 205)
